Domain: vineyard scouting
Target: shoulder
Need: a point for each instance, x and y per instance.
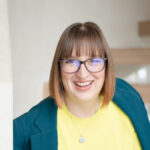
(24, 125)
(31, 115)
(124, 90)
(131, 103)
(124, 86)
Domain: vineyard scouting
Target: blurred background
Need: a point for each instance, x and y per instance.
(30, 30)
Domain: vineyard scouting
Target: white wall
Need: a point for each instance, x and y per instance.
(37, 24)
(5, 81)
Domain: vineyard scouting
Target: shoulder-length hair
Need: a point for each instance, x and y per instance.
(76, 36)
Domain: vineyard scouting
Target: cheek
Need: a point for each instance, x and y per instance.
(63, 78)
(66, 78)
(100, 76)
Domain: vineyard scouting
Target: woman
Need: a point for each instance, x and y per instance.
(83, 111)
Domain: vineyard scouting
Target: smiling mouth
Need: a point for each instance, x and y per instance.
(83, 84)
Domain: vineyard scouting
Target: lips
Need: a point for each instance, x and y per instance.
(83, 85)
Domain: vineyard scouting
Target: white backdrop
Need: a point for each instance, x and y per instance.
(36, 25)
(6, 115)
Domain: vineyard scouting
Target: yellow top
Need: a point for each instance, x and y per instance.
(108, 129)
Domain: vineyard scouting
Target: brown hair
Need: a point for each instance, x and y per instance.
(76, 36)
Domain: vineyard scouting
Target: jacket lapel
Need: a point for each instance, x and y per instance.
(44, 141)
(127, 98)
(46, 122)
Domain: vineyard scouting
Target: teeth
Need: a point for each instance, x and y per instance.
(83, 83)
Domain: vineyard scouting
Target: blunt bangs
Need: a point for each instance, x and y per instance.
(84, 40)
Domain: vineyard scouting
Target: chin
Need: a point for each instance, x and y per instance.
(84, 97)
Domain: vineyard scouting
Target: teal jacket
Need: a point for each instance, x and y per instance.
(37, 129)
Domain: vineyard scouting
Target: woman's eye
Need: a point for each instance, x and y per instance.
(95, 60)
(69, 61)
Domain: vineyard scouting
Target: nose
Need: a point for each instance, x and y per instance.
(82, 72)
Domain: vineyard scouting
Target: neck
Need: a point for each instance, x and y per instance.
(82, 109)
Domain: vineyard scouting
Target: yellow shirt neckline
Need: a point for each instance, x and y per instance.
(72, 116)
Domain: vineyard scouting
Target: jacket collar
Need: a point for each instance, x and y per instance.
(129, 101)
(46, 122)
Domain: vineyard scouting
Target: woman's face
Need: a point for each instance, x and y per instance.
(83, 85)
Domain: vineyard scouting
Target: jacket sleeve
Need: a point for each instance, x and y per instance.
(18, 137)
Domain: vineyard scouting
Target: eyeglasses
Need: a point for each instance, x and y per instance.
(73, 65)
